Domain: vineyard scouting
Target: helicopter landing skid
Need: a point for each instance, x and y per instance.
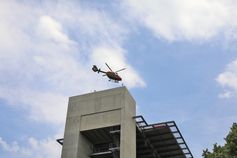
(115, 81)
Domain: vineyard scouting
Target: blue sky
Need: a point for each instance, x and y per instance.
(180, 57)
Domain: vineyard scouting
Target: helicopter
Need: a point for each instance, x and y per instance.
(112, 75)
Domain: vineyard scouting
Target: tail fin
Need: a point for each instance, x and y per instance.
(95, 69)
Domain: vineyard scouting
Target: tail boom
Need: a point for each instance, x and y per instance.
(95, 69)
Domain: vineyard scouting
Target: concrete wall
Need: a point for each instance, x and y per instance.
(100, 120)
(95, 110)
(128, 127)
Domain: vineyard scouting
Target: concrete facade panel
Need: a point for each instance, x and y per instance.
(99, 120)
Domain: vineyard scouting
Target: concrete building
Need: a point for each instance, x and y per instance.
(104, 125)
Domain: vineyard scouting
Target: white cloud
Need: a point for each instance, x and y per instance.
(9, 147)
(45, 148)
(47, 52)
(42, 106)
(51, 29)
(226, 94)
(185, 19)
(228, 79)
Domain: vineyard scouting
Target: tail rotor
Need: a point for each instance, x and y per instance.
(95, 69)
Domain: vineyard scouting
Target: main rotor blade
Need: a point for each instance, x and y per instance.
(108, 67)
(120, 70)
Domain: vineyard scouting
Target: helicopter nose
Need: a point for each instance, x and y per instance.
(119, 78)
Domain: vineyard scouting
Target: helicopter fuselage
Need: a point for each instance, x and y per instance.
(113, 76)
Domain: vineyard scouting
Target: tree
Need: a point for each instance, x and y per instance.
(229, 150)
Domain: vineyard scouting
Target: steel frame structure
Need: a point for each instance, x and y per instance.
(159, 140)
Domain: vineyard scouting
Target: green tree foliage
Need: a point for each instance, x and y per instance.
(229, 150)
